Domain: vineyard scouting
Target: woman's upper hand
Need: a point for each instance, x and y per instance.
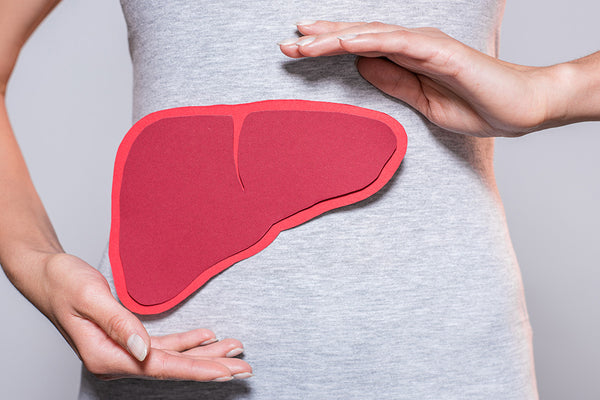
(113, 343)
(450, 83)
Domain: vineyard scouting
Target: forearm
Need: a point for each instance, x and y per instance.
(26, 234)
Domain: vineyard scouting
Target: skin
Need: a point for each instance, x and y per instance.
(67, 290)
(453, 85)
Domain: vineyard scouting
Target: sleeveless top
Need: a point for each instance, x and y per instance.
(413, 293)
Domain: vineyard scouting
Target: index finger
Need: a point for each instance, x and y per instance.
(309, 29)
(183, 340)
(306, 27)
(325, 39)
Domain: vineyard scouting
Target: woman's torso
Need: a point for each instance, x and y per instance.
(414, 293)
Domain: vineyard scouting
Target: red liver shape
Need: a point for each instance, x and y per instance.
(197, 189)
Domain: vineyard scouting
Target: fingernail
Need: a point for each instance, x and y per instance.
(305, 41)
(306, 22)
(137, 347)
(287, 42)
(349, 36)
(209, 341)
(243, 375)
(223, 379)
(234, 352)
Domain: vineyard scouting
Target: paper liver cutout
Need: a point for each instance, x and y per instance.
(197, 189)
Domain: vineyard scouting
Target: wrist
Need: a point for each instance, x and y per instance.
(573, 92)
(27, 270)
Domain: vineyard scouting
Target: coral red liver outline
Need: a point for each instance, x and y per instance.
(242, 110)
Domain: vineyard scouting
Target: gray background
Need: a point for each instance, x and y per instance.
(69, 102)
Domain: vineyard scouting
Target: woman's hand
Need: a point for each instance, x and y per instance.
(112, 342)
(451, 84)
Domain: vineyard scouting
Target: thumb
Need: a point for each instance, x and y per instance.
(120, 325)
(394, 80)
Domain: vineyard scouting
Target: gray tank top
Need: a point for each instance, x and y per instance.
(414, 293)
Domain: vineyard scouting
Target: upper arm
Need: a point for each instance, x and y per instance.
(18, 20)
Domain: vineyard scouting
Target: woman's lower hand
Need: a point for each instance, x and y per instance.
(451, 84)
(113, 343)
